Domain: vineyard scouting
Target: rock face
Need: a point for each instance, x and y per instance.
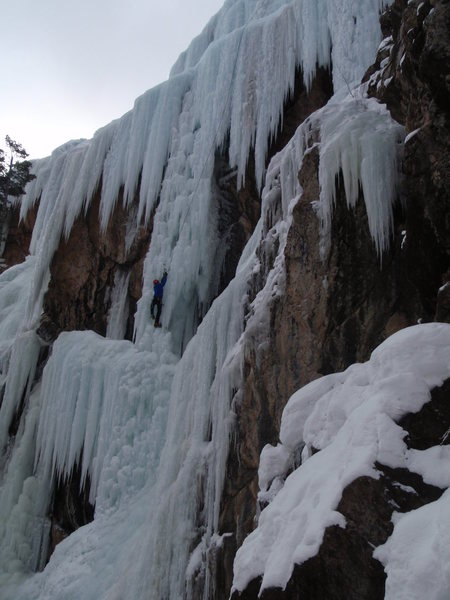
(83, 273)
(266, 377)
(70, 509)
(85, 266)
(19, 237)
(337, 311)
(415, 86)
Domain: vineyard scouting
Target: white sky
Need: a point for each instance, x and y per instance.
(70, 67)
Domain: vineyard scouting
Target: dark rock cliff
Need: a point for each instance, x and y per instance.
(337, 311)
(85, 266)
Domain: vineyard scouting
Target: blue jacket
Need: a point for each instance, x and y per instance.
(158, 288)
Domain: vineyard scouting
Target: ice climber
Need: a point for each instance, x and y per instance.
(158, 290)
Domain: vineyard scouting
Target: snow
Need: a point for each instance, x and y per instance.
(416, 556)
(149, 422)
(386, 43)
(350, 418)
(404, 238)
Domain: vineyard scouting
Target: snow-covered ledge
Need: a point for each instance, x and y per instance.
(351, 418)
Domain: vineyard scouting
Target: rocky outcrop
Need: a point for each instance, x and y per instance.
(331, 315)
(270, 375)
(18, 240)
(83, 273)
(239, 209)
(344, 567)
(70, 509)
(411, 77)
(335, 312)
(84, 269)
(238, 213)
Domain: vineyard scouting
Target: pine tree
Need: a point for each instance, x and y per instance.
(14, 175)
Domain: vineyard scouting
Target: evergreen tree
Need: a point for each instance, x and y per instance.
(14, 175)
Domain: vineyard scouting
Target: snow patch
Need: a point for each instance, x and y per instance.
(351, 418)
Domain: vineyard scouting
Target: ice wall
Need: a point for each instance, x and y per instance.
(150, 428)
(232, 81)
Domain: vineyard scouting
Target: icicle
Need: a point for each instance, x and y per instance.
(24, 501)
(238, 78)
(118, 313)
(22, 367)
(361, 140)
(115, 400)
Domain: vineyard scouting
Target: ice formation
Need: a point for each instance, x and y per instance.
(118, 313)
(149, 422)
(351, 418)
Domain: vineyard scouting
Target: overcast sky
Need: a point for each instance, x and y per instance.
(72, 66)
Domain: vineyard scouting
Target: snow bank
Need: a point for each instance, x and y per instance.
(351, 418)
